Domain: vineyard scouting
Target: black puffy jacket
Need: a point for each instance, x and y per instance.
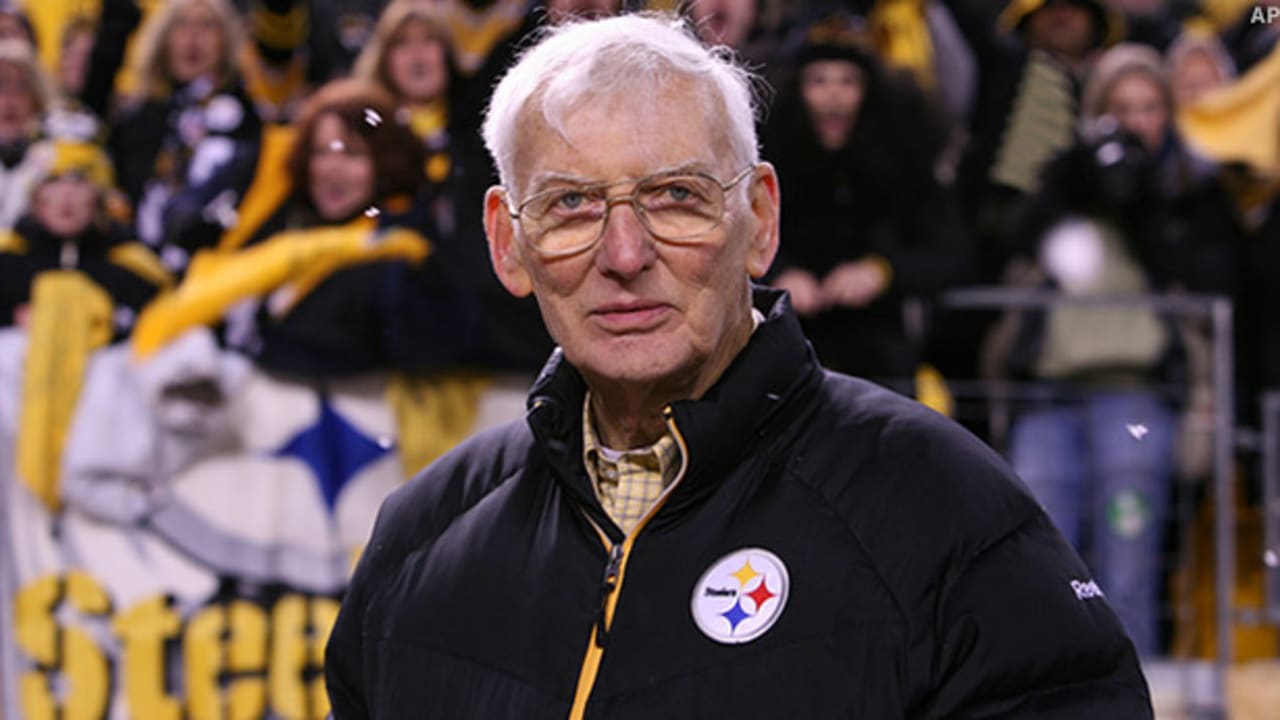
(907, 573)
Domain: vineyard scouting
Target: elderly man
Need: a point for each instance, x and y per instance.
(696, 519)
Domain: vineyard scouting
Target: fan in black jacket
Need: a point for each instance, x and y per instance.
(67, 229)
(186, 142)
(865, 222)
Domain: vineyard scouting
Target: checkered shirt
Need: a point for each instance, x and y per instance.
(628, 483)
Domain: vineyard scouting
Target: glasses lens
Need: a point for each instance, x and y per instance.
(673, 207)
(566, 219)
(681, 207)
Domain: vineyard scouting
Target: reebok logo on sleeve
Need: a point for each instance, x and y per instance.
(1086, 589)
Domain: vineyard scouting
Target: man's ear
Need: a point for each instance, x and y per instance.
(503, 252)
(765, 198)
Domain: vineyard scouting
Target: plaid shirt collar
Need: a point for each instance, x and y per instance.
(628, 482)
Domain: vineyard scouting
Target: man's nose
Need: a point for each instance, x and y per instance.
(626, 246)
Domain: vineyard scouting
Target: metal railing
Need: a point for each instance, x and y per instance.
(1271, 505)
(1217, 312)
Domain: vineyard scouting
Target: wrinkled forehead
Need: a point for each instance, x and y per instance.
(625, 131)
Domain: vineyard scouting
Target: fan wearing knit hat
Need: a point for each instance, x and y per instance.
(1063, 37)
(1071, 24)
(1032, 64)
(69, 228)
(80, 163)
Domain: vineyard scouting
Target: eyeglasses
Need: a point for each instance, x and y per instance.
(678, 208)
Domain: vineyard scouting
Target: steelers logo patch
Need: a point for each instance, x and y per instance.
(741, 596)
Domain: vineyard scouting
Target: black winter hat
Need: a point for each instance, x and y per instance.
(839, 36)
(1108, 27)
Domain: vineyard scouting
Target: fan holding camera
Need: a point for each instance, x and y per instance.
(1128, 209)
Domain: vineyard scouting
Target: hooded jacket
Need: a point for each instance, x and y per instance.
(908, 574)
(874, 197)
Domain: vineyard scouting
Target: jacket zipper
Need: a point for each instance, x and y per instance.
(611, 588)
(611, 573)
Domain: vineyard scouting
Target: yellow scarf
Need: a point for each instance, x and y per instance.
(70, 318)
(902, 37)
(1241, 121)
(294, 261)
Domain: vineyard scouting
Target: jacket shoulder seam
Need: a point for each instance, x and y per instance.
(847, 525)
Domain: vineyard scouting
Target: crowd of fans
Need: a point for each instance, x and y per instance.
(922, 145)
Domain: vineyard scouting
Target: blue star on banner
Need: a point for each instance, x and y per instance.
(334, 449)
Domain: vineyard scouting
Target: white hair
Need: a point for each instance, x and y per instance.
(633, 55)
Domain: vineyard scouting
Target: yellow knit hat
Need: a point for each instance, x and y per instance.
(85, 159)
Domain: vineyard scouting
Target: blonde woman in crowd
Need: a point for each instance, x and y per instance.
(410, 56)
(186, 140)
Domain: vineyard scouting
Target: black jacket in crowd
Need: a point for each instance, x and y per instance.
(1258, 327)
(40, 251)
(1002, 61)
(200, 144)
(1171, 209)
(924, 581)
(367, 317)
(511, 337)
(876, 196)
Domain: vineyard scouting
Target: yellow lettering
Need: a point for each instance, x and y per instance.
(288, 657)
(228, 640)
(89, 676)
(202, 663)
(247, 660)
(61, 653)
(324, 613)
(300, 628)
(230, 670)
(86, 595)
(143, 631)
(37, 702)
(37, 633)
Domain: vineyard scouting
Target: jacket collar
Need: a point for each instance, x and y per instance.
(718, 429)
(42, 243)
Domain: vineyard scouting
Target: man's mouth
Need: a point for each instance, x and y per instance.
(625, 317)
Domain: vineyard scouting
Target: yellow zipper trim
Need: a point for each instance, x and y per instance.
(595, 653)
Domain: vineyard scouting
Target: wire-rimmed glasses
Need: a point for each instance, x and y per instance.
(677, 207)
